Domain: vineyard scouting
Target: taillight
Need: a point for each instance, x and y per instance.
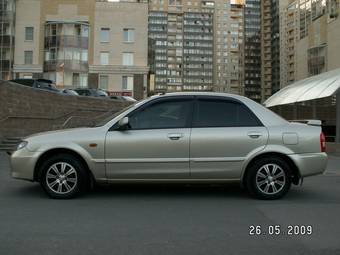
(322, 142)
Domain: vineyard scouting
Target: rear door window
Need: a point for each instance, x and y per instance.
(223, 113)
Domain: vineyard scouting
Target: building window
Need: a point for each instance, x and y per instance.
(127, 83)
(104, 82)
(317, 60)
(104, 58)
(28, 57)
(129, 34)
(29, 33)
(76, 80)
(105, 35)
(127, 59)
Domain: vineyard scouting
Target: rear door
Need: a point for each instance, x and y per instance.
(224, 132)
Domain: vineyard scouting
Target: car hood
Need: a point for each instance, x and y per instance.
(60, 138)
(56, 132)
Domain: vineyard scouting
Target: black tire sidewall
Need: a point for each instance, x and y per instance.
(79, 168)
(251, 178)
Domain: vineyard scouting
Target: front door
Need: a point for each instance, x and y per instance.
(156, 145)
(224, 132)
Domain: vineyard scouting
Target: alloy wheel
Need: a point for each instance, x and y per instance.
(61, 178)
(270, 179)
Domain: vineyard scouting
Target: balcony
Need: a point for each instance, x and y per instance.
(7, 41)
(67, 65)
(67, 41)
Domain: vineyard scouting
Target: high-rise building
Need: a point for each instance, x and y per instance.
(7, 28)
(252, 50)
(273, 27)
(229, 47)
(196, 45)
(83, 43)
(276, 6)
(181, 45)
(266, 48)
(289, 35)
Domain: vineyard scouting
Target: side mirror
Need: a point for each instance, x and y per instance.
(123, 123)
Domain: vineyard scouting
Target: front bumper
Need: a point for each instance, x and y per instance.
(310, 163)
(22, 164)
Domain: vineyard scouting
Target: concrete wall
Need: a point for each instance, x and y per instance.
(24, 111)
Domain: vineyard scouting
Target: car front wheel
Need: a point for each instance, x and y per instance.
(269, 178)
(63, 176)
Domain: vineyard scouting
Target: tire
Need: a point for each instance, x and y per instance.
(63, 176)
(268, 178)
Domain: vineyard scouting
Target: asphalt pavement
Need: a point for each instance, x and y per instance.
(171, 219)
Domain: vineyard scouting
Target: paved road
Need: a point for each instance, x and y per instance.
(167, 219)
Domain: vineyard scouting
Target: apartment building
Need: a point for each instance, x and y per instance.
(7, 21)
(181, 45)
(120, 48)
(196, 45)
(289, 35)
(266, 48)
(83, 43)
(252, 50)
(229, 47)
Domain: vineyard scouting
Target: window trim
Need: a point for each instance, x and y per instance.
(108, 57)
(29, 40)
(156, 101)
(108, 31)
(130, 54)
(32, 57)
(227, 100)
(100, 80)
(127, 29)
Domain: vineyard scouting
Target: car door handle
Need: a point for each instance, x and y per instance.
(254, 135)
(175, 136)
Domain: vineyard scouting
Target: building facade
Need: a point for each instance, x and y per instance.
(252, 50)
(229, 47)
(7, 36)
(181, 49)
(289, 35)
(120, 48)
(196, 45)
(319, 34)
(83, 43)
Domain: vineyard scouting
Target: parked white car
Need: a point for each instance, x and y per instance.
(181, 138)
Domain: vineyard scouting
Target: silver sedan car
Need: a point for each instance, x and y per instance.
(177, 138)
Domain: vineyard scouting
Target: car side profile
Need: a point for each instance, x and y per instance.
(177, 138)
(37, 84)
(91, 92)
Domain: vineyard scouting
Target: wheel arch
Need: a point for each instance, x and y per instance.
(55, 151)
(295, 170)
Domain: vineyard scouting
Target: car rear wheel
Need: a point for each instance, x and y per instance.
(63, 176)
(269, 178)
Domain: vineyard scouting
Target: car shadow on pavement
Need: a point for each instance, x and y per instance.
(232, 190)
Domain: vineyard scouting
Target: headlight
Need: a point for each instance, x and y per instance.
(22, 145)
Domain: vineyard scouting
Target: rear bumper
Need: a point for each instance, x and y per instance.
(310, 163)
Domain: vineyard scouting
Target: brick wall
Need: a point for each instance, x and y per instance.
(24, 111)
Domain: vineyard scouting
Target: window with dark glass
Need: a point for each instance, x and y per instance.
(169, 114)
(223, 113)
